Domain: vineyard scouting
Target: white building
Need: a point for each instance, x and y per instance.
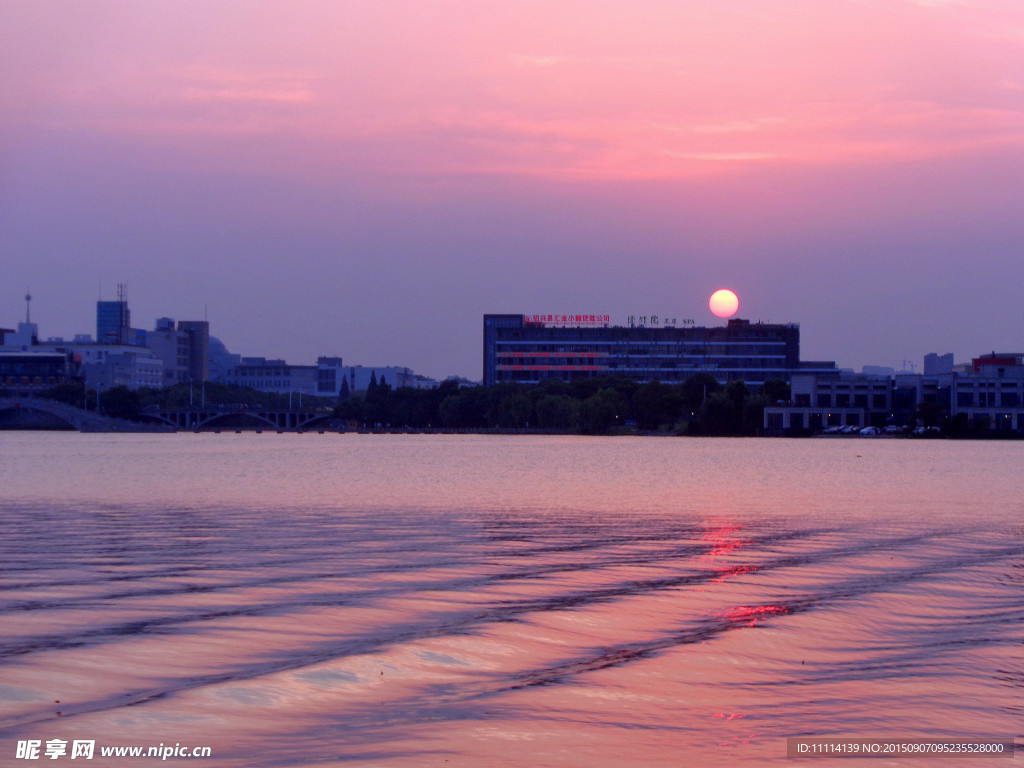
(103, 365)
(322, 380)
(360, 376)
(992, 393)
(116, 365)
(817, 402)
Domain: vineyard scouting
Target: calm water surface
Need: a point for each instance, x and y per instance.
(339, 600)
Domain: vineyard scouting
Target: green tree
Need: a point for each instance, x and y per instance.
(656, 405)
(558, 412)
(696, 389)
(121, 403)
(717, 415)
(775, 390)
(602, 410)
(349, 409)
(514, 410)
(378, 402)
(469, 409)
(72, 394)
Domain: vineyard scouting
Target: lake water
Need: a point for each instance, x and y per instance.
(379, 600)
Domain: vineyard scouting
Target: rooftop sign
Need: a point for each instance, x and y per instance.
(603, 321)
(568, 321)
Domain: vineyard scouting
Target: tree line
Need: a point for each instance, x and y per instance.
(600, 405)
(125, 403)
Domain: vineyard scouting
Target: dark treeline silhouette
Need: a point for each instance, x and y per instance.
(698, 406)
(126, 403)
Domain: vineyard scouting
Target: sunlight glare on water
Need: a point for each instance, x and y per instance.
(406, 600)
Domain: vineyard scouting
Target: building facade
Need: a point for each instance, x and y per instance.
(184, 349)
(29, 372)
(198, 333)
(113, 324)
(818, 402)
(110, 366)
(987, 395)
(518, 348)
(325, 379)
(112, 321)
(992, 393)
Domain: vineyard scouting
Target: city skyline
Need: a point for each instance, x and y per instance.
(370, 181)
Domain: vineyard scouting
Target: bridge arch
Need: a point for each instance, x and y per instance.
(235, 419)
(34, 414)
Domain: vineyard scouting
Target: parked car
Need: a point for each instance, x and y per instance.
(870, 431)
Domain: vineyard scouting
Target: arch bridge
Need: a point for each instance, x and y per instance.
(38, 412)
(284, 420)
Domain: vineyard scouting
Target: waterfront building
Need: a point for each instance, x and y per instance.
(28, 372)
(272, 375)
(360, 376)
(323, 379)
(987, 394)
(101, 366)
(818, 402)
(117, 365)
(992, 394)
(530, 349)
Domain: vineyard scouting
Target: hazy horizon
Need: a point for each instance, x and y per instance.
(369, 179)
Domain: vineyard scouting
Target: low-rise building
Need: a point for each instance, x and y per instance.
(529, 349)
(992, 394)
(818, 402)
(117, 365)
(988, 394)
(28, 372)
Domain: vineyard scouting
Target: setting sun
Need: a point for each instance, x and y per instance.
(724, 303)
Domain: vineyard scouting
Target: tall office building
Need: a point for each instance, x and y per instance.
(198, 332)
(112, 320)
(185, 349)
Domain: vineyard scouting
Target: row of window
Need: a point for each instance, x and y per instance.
(659, 347)
(856, 400)
(988, 399)
(34, 381)
(678, 375)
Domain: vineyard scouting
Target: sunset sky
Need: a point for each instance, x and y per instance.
(367, 178)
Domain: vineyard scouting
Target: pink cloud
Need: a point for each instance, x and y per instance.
(647, 90)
